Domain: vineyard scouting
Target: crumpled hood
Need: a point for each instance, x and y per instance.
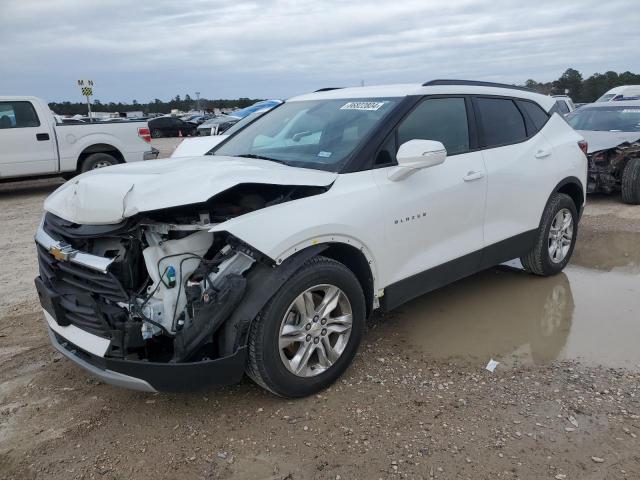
(605, 140)
(109, 195)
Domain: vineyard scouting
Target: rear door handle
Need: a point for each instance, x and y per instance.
(473, 175)
(543, 153)
(42, 137)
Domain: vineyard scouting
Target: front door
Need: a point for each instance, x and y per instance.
(26, 144)
(434, 218)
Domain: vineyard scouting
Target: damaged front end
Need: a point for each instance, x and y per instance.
(606, 166)
(145, 300)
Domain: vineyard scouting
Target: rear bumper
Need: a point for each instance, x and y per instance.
(153, 376)
(151, 154)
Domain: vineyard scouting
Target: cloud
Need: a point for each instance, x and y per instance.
(275, 48)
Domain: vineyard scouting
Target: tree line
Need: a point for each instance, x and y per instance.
(156, 106)
(571, 81)
(583, 90)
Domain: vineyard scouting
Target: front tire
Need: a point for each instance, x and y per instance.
(555, 239)
(309, 332)
(631, 182)
(155, 133)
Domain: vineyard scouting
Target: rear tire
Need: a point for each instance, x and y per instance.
(631, 182)
(272, 365)
(98, 160)
(544, 259)
(155, 133)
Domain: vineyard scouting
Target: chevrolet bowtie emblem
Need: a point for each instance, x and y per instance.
(61, 251)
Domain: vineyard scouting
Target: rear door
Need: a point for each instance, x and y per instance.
(518, 159)
(26, 146)
(435, 216)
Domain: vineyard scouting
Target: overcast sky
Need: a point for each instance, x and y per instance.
(226, 49)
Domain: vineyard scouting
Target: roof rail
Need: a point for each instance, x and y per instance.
(326, 89)
(475, 83)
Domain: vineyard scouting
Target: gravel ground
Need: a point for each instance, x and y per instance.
(401, 411)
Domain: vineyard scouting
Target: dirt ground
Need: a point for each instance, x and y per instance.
(564, 402)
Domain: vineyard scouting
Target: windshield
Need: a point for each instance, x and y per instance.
(609, 119)
(320, 134)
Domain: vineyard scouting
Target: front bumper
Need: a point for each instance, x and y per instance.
(79, 295)
(151, 154)
(153, 376)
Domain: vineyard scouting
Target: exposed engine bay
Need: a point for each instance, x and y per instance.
(170, 284)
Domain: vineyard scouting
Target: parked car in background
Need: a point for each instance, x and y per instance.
(618, 93)
(170, 127)
(220, 124)
(196, 119)
(268, 256)
(33, 143)
(262, 105)
(201, 145)
(564, 103)
(612, 130)
(216, 125)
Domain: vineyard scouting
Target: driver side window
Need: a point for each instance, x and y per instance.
(440, 119)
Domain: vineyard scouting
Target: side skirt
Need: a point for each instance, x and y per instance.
(412, 287)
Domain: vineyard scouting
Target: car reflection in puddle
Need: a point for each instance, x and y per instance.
(588, 313)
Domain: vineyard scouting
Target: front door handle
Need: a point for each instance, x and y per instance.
(473, 175)
(42, 137)
(542, 153)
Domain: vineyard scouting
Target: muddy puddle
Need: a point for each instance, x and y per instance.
(590, 312)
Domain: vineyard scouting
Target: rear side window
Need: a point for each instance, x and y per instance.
(18, 115)
(535, 113)
(440, 119)
(501, 121)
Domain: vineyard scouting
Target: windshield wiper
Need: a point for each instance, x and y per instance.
(260, 157)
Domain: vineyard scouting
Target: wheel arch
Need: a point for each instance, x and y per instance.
(572, 186)
(263, 282)
(99, 148)
(356, 261)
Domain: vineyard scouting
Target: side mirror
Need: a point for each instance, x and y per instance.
(415, 155)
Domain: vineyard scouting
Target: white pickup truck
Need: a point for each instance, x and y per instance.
(32, 143)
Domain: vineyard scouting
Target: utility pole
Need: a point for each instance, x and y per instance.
(198, 101)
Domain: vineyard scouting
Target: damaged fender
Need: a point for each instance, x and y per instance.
(262, 283)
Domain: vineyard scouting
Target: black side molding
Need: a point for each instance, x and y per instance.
(457, 269)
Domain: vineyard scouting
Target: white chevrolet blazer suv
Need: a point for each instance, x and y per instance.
(267, 255)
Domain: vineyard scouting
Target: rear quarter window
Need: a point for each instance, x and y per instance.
(501, 122)
(562, 107)
(535, 113)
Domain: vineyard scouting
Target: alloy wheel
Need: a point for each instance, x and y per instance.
(560, 235)
(315, 330)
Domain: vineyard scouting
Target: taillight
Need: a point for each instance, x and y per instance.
(143, 133)
(584, 146)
